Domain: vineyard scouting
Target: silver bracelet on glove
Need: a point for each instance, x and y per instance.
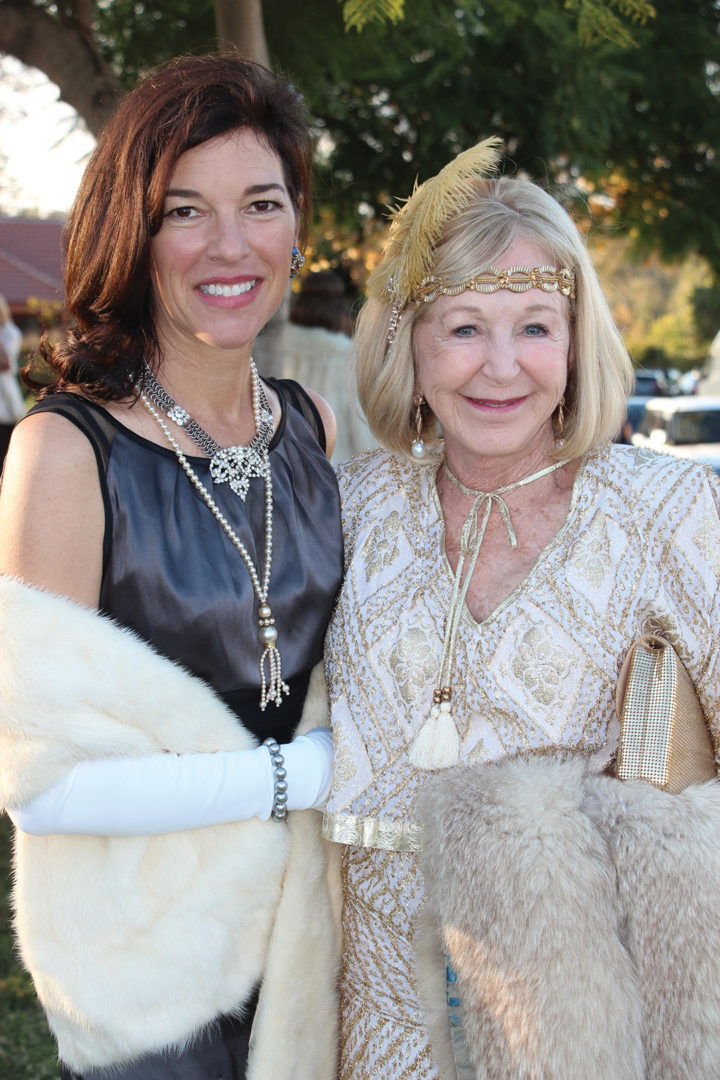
(279, 806)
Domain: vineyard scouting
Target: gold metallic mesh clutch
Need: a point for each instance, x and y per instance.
(663, 734)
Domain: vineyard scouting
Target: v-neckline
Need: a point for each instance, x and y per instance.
(543, 556)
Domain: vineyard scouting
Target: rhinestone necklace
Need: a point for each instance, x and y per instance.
(234, 465)
(272, 687)
(436, 745)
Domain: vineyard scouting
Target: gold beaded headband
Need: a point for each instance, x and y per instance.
(515, 278)
(403, 275)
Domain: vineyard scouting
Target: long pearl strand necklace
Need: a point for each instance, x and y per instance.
(272, 687)
(437, 743)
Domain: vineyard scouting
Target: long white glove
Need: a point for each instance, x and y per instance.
(163, 793)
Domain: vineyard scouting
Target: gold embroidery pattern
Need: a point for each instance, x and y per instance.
(705, 539)
(381, 547)
(540, 666)
(381, 1022)
(591, 553)
(413, 661)
(344, 763)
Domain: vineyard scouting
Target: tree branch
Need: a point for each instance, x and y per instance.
(64, 50)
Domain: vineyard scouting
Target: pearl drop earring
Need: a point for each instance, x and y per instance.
(418, 446)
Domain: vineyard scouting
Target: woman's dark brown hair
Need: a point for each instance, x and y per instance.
(119, 204)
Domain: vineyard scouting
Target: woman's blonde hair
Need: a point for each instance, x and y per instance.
(503, 211)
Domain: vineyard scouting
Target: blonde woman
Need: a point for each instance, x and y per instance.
(495, 578)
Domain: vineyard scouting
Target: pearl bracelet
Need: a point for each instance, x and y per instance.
(279, 806)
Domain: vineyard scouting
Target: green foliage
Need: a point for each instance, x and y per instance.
(597, 20)
(655, 305)
(626, 135)
(27, 1050)
(358, 13)
(659, 157)
(411, 96)
(641, 124)
(137, 35)
(706, 311)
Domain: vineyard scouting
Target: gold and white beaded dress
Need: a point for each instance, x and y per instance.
(639, 552)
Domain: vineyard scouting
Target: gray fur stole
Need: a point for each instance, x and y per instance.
(582, 917)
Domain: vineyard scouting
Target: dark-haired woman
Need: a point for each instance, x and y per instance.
(171, 551)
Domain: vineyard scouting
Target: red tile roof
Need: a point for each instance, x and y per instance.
(31, 260)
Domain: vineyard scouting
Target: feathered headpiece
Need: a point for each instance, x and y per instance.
(417, 226)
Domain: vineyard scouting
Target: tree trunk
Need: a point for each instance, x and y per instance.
(64, 50)
(239, 24)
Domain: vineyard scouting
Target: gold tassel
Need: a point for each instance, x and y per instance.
(417, 226)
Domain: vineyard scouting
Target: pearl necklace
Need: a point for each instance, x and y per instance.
(272, 687)
(437, 743)
(234, 465)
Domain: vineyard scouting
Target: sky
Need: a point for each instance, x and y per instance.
(42, 148)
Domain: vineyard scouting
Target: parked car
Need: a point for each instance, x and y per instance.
(633, 415)
(687, 426)
(636, 407)
(650, 382)
(689, 381)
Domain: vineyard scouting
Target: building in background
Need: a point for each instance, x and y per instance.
(31, 273)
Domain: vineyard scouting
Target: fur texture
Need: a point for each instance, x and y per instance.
(666, 853)
(134, 944)
(299, 993)
(581, 915)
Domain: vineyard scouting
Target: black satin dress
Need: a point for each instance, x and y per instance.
(172, 574)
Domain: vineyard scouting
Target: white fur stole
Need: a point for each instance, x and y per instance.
(136, 943)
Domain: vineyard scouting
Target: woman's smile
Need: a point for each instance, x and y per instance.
(495, 404)
(224, 289)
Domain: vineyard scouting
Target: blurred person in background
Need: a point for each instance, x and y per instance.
(12, 402)
(317, 350)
